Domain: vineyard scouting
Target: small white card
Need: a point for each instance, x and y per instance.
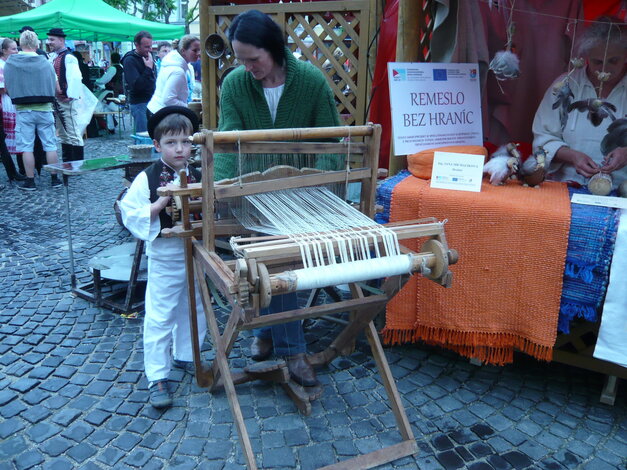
(604, 201)
(460, 171)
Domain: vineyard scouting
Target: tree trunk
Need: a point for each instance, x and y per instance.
(184, 9)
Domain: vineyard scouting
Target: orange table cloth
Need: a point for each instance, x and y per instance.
(512, 243)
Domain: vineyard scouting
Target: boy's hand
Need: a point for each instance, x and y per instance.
(158, 206)
(163, 201)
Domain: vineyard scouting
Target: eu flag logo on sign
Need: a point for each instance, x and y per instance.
(439, 75)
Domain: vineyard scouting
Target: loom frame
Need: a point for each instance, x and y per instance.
(239, 281)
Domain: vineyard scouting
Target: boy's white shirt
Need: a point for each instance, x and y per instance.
(135, 210)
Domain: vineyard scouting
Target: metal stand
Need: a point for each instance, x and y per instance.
(121, 300)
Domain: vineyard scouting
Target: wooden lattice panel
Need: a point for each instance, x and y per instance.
(334, 36)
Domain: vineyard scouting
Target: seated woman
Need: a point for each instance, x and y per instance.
(580, 145)
(273, 90)
(572, 138)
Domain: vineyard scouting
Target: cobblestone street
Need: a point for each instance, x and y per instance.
(73, 394)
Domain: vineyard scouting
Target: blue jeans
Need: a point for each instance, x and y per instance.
(288, 338)
(138, 111)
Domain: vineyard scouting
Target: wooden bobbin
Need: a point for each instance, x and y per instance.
(241, 280)
(265, 289)
(440, 266)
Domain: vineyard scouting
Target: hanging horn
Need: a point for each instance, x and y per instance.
(214, 46)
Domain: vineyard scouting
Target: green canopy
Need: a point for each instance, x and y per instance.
(90, 20)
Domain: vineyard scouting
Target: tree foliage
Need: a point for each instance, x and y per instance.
(152, 10)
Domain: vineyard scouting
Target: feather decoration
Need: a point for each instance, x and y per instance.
(505, 65)
(616, 136)
(563, 98)
(597, 109)
(502, 164)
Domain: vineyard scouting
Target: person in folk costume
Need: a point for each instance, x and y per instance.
(69, 90)
(167, 339)
(271, 90)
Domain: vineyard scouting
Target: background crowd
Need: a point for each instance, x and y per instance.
(55, 110)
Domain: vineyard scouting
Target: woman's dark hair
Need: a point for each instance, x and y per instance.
(257, 29)
(115, 58)
(173, 124)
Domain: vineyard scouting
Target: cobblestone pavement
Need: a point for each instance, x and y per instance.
(72, 392)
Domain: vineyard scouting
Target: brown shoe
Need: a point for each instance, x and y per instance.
(301, 370)
(260, 349)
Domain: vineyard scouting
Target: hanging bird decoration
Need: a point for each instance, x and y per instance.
(533, 170)
(503, 164)
(616, 136)
(563, 96)
(597, 109)
(562, 92)
(506, 65)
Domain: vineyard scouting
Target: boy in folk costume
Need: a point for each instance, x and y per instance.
(166, 322)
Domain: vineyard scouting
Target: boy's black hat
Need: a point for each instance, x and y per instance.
(156, 118)
(58, 32)
(26, 28)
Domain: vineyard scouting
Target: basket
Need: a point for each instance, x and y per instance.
(140, 150)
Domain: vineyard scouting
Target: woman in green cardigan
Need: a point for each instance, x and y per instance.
(273, 90)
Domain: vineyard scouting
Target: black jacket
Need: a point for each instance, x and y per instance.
(139, 80)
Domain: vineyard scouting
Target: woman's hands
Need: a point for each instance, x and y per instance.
(583, 164)
(615, 160)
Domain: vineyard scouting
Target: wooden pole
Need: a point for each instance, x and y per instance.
(410, 15)
(207, 65)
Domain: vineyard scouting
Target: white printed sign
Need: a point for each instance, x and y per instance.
(604, 201)
(434, 105)
(461, 171)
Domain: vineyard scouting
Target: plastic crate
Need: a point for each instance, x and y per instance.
(141, 140)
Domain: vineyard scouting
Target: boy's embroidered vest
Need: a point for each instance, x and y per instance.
(59, 69)
(153, 172)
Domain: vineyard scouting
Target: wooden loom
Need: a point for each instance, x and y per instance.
(248, 283)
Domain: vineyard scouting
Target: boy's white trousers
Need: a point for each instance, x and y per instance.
(166, 322)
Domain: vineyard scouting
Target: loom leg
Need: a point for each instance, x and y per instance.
(389, 384)
(608, 395)
(203, 376)
(228, 338)
(222, 360)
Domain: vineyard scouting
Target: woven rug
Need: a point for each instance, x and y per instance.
(590, 247)
(508, 281)
(384, 195)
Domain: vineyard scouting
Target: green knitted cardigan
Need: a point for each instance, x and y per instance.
(307, 101)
